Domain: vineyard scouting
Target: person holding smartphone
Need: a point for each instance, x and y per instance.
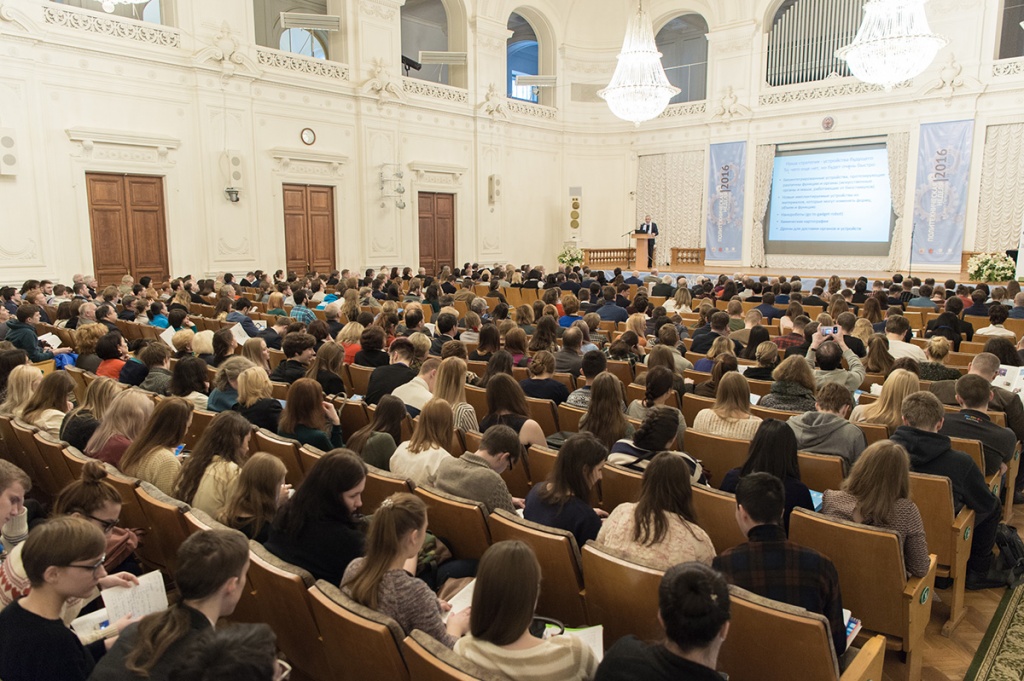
(826, 354)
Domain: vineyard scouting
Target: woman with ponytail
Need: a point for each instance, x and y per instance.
(210, 577)
(658, 393)
(384, 580)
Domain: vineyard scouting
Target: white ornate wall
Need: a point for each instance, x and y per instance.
(84, 91)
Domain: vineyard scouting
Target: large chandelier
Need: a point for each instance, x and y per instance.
(894, 43)
(639, 90)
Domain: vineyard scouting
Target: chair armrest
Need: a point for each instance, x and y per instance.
(916, 585)
(918, 597)
(963, 520)
(867, 665)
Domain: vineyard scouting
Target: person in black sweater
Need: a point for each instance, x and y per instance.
(319, 528)
(371, 352)
(540, 384)
(274, 334)
(210, 576)
(930, 452)
(63, 558)
(327, 366)
(385, 379)
(255, 399)
(299, 350)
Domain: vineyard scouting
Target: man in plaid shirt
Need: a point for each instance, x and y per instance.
(794, 337)
(772, 566)
(300, 311)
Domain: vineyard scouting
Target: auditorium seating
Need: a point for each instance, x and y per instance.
(360, 378)
(569, 417)
(718, 455)
(52, 457)
(380, 485)
(975, 450)
(352, 414)
(821, 471)
(621, 594)
(285, 449)
(165, 527)
(692, 405)
(777, 414)
(42, 476)
(541, 462)
(545, 414)
(618, 486)
(429, 660)
(460, 523)
(477, 398)
(716, 514)
(200, 420)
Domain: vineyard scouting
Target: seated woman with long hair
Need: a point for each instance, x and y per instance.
(326, 368)
(793, 310)
(489, 343)
(563, 500)
(877, 492)
(309, 418)
(255, 350)
(730, 416)
(499, 363)
(887, 409)
(720, 346)
(255, 399)
(50, 403)
(189, 381)
(545, 336)
(658, 393)
(384, 580)
(758, 335)
(878, 360)
(766, 354)
(605, 417)
(151, 456)
(726, 364)
(506, 404)
(794, 386)
(224, 395)
(540, 384)
(224, 345)
(21, 385)
(319, 527)
(349, 338)
(125, 418)
(450, 386)
(418, 458)
(773, 450)
(1004, 349)
(657, 433)
(81, 422)
(524, 318)
(253, 500)
(376, 441)
(660, 529)
(935, 369)
(508, 583)
(211, 470)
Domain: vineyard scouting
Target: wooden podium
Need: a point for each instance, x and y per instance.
(640, 254)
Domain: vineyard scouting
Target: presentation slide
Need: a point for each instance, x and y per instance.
(831, 201)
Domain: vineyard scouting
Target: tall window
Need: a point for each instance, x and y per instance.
(522, 57)
(304, 42)
(1011, 37)
(804, 37)
(143, 10)
(683, 45)
(425, 27)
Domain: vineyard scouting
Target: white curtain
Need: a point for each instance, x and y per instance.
(765, 163)
(670, 188)
(1002, 189)
(897, 144)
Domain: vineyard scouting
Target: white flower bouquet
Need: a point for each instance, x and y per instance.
(991, 267)
(570, 256)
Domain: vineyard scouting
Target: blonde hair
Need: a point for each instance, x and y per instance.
(434, 427)
(350, 333)
(732, 398)
(98, 397)
(638, 324)
(938, 348)
(888, 409)
(862, 329)
(202, 344)
(126, 416)
(275, 301)
(720, 346)
(87, 336)
(182, 340)
(879, 478)
(253, 351)
(767, 353)
(450, 384)
(253, 385)
(230, 370)
(21, 383)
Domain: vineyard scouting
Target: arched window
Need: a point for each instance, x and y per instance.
(522, 58)
(683, 45)
(305, 42)
(425, 27)
(804, 37)
(1011, 37)
(143, 10)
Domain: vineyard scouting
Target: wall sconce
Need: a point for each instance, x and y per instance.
(391, 186)
(232, 194)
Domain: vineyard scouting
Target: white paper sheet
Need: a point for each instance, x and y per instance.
(50, 339)
(593, 637)
(239, 333)
(461, 600)
(148, 597)
(166, 336)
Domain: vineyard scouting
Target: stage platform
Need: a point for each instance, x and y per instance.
(691, 273)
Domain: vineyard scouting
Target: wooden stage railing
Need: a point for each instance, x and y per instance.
(607, 256)
(688, 257)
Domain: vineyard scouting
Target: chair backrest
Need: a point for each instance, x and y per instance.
(869, 561)
(697, 377)
(42, 477)
(308, 456)
(283, 601)
(200, 521)
(621, 595)
(544, 413)
(429, 660)
(761, 388)
(478, 368)
(51, 452)
(873, 432)
(559, 558)
(353, 416)
(78, 376)
(933, 495)
(820, 471)
(693, 405)
(716, 514)
(279, 390)
(973, 448)
(75, 461)
(477, 397)
(379, 486)
(541, 462)
(717, 454)
(201, 418)
(460, 523)
(777, 414)
(569, 417)
(132, 515)
(773, 640)
(351, 627)
(622, 369)
(166, 528)
(276, 357)
(360, 378)
(285, 449)
(619, 486)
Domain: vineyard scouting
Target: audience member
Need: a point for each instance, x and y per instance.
(211, 470)
(477, 475)
(793, 388)
(419, 457)
(417, 391)
(730, 416)
(594, 362)
(826, 357)
(189, 380)
(506, 404)
(299, 351)
(243, 652)
(49, 403)
(309, 418)
(253, 500)
(153, 455)
(826, 430)
(376, 441)
(972, 422)
(450, 386)
(540, 384)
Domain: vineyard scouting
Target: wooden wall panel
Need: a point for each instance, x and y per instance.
(436, 230)
(128, 226)
(309, 228)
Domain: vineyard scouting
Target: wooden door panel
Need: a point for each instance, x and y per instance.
(108, 224)
(128, 226)
(428, 257)
(296, 227)
(321, 228)
(444, 230)
(147, 233)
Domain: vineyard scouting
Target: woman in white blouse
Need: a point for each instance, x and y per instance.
(419, 457)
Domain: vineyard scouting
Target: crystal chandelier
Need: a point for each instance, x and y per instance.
(110, 5)
(894, 43)
(639, 90)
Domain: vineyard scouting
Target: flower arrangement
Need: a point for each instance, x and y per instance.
(570, 256)
(991, 267)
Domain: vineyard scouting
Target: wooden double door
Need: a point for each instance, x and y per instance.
(308, 228)
(128, 227)
(437, 231)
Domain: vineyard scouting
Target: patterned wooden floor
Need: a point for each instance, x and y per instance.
(947, 659)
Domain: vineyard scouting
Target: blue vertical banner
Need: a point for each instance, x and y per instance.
(726, 172)
(940, 199)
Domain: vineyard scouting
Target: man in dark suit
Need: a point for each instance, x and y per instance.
(956, 307)
(445, 332)
(648, 227)
(719, 327)
(272, 335)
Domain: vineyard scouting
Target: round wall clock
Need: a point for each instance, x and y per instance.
(307, 136)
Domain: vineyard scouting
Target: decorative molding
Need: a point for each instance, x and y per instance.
(224, 248)
(489, 44)
(1008, 67)
(951, 78)
(123, 146)
(116, 27)
(29, 252)
(382, 84)
(18, 17)
(581, 66)
(729, 107)
(301, 64)
(380, 9)
(438, 173)
(853, 87)
(224, 50)
(524, 108)
(685, 109)
(496, 103)
(424, 88)
(304, 162)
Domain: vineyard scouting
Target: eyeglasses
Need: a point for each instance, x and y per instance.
(96, 567)
(283, 669)
(108, 525)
